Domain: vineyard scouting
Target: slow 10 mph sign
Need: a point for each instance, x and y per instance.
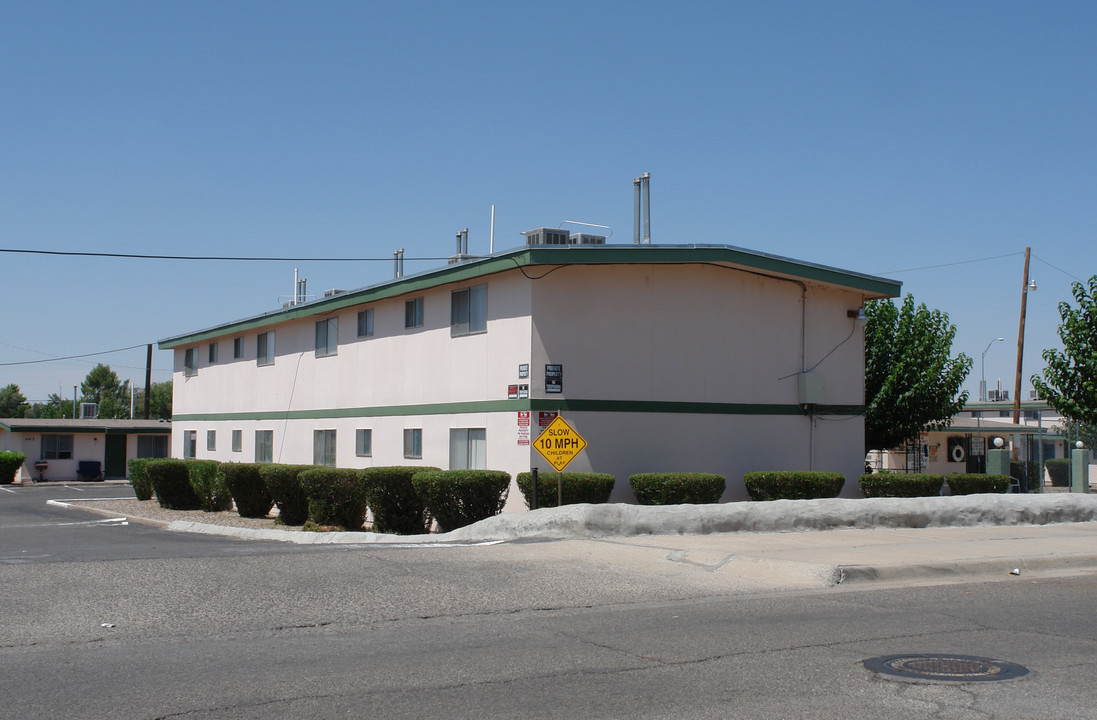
(559, 444)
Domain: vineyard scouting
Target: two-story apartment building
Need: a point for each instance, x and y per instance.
(664, 358)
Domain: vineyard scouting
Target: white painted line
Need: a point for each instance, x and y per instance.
(108, 522)
(7, 489)
(70, 487)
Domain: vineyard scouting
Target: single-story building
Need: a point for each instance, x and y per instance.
(61, 445)
(705, 358)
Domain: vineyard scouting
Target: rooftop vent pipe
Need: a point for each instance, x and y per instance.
(641, 194)
(398, 263)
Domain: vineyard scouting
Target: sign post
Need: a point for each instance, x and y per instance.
(559, 444)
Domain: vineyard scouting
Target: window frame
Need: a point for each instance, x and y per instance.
(152, 446)
(211, 441)
(211, 353)
(237, 440)
(327, 330)
(237, 348)
(367, 315)
(264, 440)
(190, 362)
(323, 447)
(415, 435)
(468, 458)
(58, 451)
(413, 313)
(363, 449)
(190, 444)
(264, 348)
(468, 314)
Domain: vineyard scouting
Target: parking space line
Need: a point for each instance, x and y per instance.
(7, 490)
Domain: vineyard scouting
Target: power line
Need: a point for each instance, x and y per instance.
(960, 262)
(140, 256)
(72, 357)
(1045, 262)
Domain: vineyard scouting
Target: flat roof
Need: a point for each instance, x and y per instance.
(68, 425)
(871, 286)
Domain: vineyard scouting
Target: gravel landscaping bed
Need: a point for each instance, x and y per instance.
(150, 511)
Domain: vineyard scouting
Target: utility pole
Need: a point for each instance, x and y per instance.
(1020, 346)
(148, 379)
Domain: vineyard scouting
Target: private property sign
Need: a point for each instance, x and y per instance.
(559, 444)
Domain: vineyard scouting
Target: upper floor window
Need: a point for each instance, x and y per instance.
(327, 336)
(365, 323)
(413, 313)
(469, 310)
(264, 352)
(190, 362)
(212, 353)
(237, 348)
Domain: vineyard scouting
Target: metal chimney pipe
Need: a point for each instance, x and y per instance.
(646, 179)
(636, 211)
(396, 263)
(464, 241)
(295, 287)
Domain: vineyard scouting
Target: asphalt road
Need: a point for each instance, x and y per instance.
(214, 628)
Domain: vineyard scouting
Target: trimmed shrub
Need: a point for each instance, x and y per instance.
(1058, 469)
(392, 499)
(456, 498)
(10, 463)
(793, 485)
(170, 479)
(575, 488)
(336, 496)
(285, 489)
(677, 488)
(1028, 472)
(906, 485)
(973, 483)
(209, 485)
(139, 480)
(248, 489)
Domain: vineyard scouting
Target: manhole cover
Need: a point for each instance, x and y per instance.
(945, 668)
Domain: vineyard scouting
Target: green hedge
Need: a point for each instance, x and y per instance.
(209, 485)
(170, 479)
(974, 483)
(901, 484)
(456, 498)
(248, 490)
(336, 496)
(793, 485)
(139, 480)
(10, 463)
(1058, 469)
(677, 488)
(576, 488)
(285, 489)
(392, 499)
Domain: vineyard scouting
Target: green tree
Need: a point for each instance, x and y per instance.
(159, 401)
(12, 402)
(102, 386)
(1069, 381)
(912, 382)
(55, 407)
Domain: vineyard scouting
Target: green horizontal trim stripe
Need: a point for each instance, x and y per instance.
(550, 255)
(85, 430)
(562, 404)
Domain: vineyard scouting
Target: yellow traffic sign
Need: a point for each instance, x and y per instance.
(559, 444)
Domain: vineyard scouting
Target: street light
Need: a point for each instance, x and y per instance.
(982, 375)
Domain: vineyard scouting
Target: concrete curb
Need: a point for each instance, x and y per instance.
(964, 569)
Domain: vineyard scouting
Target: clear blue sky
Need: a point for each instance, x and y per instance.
(873, 136)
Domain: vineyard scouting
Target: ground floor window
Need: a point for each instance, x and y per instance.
(190, 443)
(237, 440)
(211, 440)
(413, 443)
(468, 449)
(363, 443)
(323, 447)
(57, 447)
(152, 446)
(264, 446)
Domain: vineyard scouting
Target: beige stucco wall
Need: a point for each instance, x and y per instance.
(645, 333)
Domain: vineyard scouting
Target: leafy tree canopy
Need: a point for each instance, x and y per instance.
(159, 401)
(12, 402)
(102, 386)
(1069, 381)
(912, 382)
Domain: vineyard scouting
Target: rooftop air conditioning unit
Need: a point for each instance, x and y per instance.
(588, 239)
(89, 411)
(333, 292)
(547, 236)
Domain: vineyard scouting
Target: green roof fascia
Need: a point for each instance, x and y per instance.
(527, 256)
(85, 429)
